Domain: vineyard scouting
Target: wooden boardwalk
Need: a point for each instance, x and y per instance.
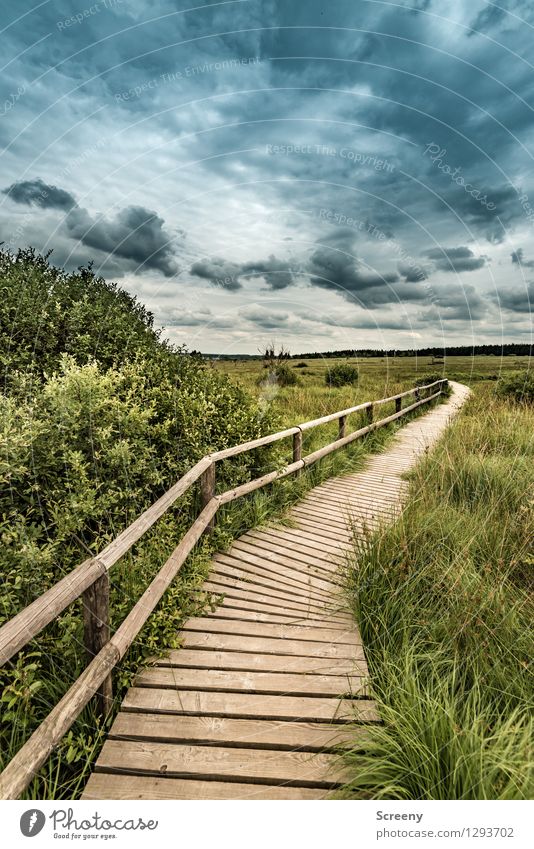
(269, 685)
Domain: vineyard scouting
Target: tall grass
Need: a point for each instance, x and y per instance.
(443, 600)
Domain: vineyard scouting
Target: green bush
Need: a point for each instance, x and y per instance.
(425, 379)
(279, 375)
(45, 312)
(341, 375)
(301, 365)
(518, 387)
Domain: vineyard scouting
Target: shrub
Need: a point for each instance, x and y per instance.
(518, 387)
(45, 312)
(279, 375)
(301, 365)
(341, 375)
(428, 378)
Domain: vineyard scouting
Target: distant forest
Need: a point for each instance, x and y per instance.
(507, 350)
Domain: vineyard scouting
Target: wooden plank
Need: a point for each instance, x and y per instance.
(219, 763)
(245, 733)
(298, 559)
(234, 592)
(361, 489)
(234, 567)
(338, 527)
(112, 786)
(284, 576)
(322, 532)
(257, 661)
(328, 513)
(282, 535)
(249, 576)
(302, 633)
(274, 616)
(235, 579)
(291, 534)
(270, 683)
(247, 706)
(235, 642)
(282, 557)
(281, 565)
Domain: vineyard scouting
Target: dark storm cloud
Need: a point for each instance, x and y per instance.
(277, 273)
(39, 193)
(335, 269)
(136, 234)
(518, 259)
(412, 272)
(265, 318)
(493, 14)
(456, 259)
(519, 299)
(219, 272)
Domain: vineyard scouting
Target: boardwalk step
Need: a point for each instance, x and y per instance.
(244, 733)
(270, 683)
(248, 706)
(221, 763)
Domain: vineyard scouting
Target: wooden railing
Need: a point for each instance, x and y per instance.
(90, 579)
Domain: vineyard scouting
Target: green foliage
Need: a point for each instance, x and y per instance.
(45, 313)
(279, 374)
(425, 379)
(443, 598)
(518, 387)
(301, 365)
(341, 375)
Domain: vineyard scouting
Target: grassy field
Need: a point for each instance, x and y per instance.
(379, 378)
(444, 603)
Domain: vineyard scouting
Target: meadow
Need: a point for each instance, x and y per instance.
(379, 377)
(444, 603)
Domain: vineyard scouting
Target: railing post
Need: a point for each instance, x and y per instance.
(398, 405)
(417, 394)
(342, 426)
(207, 489)
(370, 413)
(297, 449)
(96, 634)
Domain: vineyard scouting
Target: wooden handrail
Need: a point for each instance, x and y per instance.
(30, 621)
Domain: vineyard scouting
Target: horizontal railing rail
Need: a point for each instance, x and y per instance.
(90, 579)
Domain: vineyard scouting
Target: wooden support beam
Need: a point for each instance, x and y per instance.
(370, 413)
(398, 405)
(96, 634)
(297, 450)
(342, 427)
(207, 490)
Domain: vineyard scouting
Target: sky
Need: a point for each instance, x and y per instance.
(320, 175)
